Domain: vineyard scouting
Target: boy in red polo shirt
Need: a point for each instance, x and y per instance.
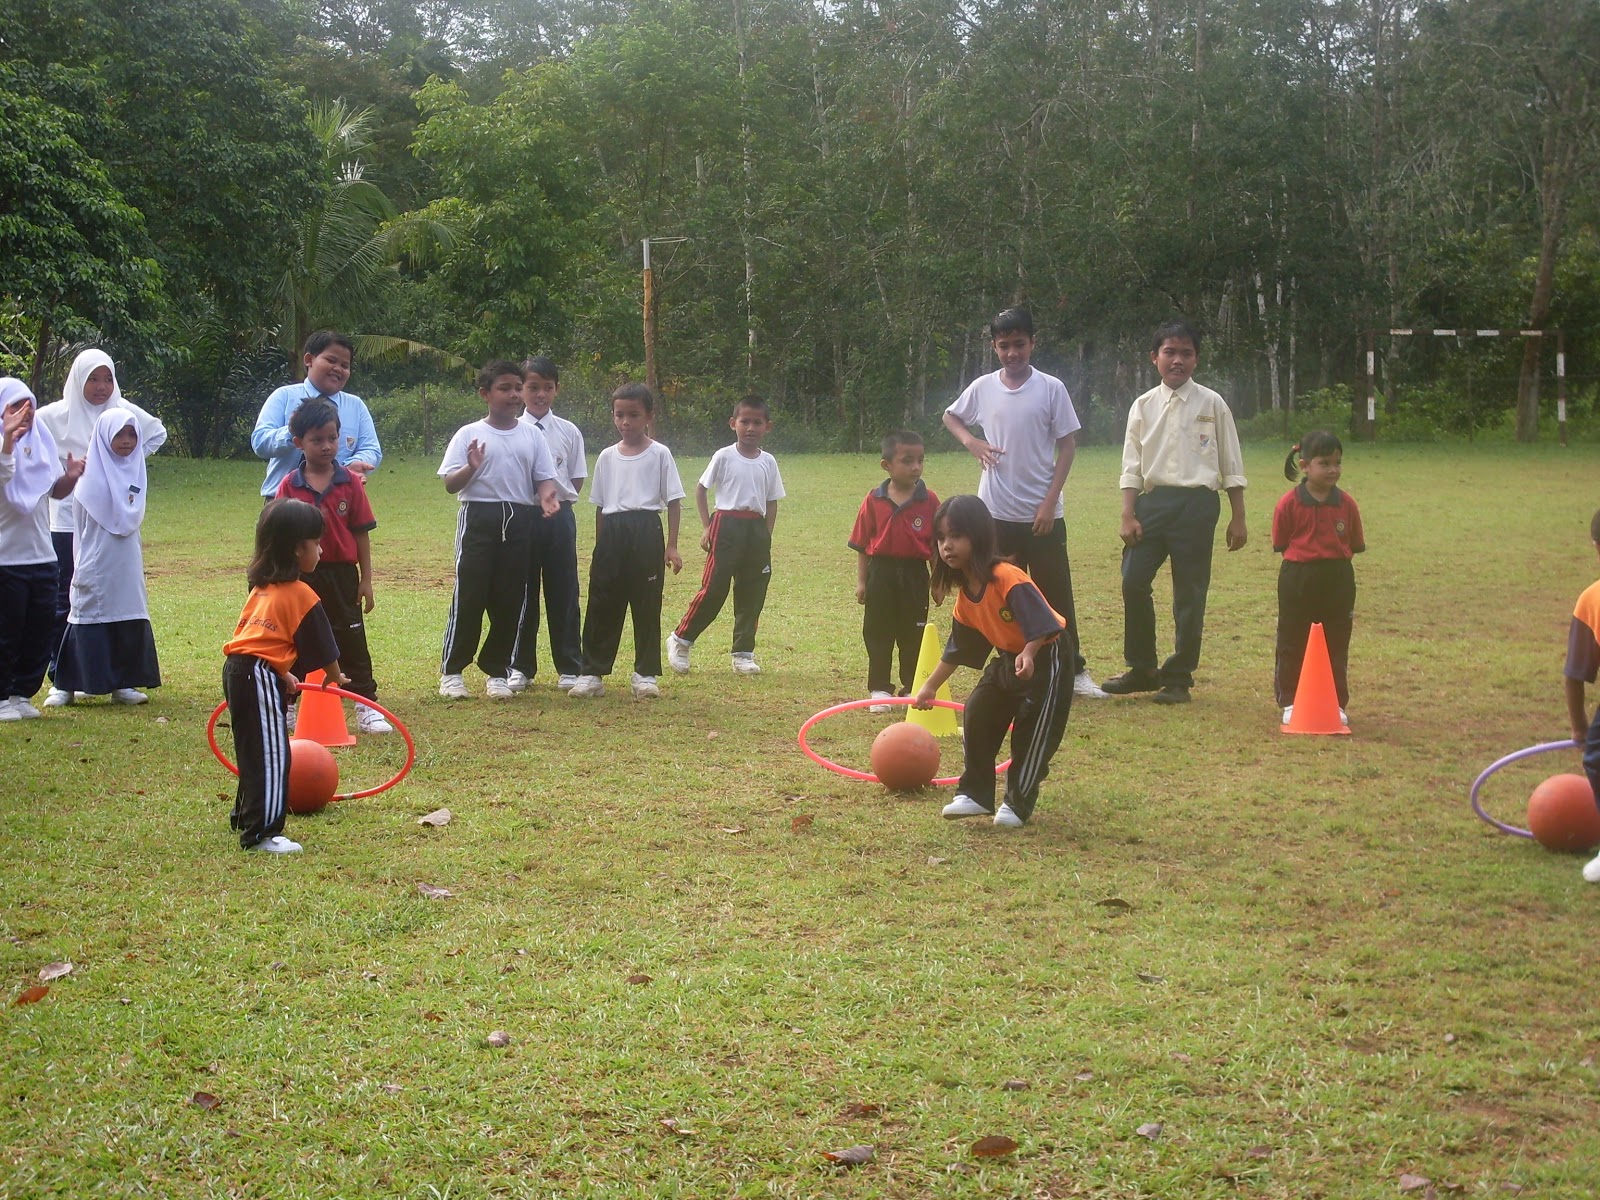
(893, 541)
(343, 579)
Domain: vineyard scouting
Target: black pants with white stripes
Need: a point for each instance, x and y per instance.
(626, 574)
(1037, 708)
(741, 555)
(258, 712)
(493, 543)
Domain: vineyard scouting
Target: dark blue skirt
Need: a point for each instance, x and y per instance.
(98, 659)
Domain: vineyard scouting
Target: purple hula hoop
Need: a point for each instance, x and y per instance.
(1514, 756)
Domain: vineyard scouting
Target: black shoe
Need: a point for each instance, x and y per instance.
(1131, 681)
(1172, 694)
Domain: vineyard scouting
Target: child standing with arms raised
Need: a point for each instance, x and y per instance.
(502, 470)
(1026, 686)
(737, 540)
(343, 578)
(283, 633)
(1317, 529)
(634, 481)
(893, 541)
(108, 646)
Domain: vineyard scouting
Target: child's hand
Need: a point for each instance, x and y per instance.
(923, 699)
(1132, 531)
(1025, 664)
(359, 469)
(981, 450)
(364, 595)
(17, 421)
(1580, 736)
(1044, 520)
(861, 593)
(705, 541)
(674, 559)
(1236, 535)
(476, 453)
(291, 685)
(74, 468)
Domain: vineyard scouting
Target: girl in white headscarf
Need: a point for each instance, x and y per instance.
(91, 388)
(30, 473)
(109, 647)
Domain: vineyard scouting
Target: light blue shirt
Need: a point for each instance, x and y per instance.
(358, 436)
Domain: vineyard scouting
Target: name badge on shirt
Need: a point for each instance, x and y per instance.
(349, 443)
(133, 490)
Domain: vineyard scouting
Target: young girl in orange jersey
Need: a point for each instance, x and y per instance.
(283, 632)
(1028, 685)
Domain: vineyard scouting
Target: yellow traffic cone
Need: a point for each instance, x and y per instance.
(941, 722)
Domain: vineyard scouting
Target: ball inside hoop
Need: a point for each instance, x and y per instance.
(1497, 764)
(867, 776)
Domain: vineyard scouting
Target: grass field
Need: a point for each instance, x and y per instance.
(1328, 975)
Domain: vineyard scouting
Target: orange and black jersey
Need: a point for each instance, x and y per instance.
(284, 625)
(1583, 637)
(1007, 613)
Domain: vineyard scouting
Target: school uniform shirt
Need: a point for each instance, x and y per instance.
(886, 530)
(566, 450)
(1025, 423)
(108, 580)
(1008, 614)
(1583, 637)
(25, 534)
(515, 462)
(286, 625)
(1184, 438)
(645, 482)
(346, 511)
(1305, 529)
(741, 483)
(271, 439)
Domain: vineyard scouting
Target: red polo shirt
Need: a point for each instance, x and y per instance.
(345, 510)
(884, 531)
(1305, 529)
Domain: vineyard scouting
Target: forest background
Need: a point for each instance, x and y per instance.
(195, 184)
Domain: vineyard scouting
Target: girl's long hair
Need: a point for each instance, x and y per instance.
(283, 525)
(968, 517)
(1319, 443)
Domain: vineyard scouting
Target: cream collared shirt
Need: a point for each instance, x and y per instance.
(1184, 438)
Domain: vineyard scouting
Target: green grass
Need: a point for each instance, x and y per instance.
(1330, 974)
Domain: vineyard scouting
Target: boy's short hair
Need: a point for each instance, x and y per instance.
(637, 392)
(1168, 330)
(543, 366)
(753, 401)
(900, 437)
(323, 338)
(313, 414)
(1011, 320)
(1594, 528)
(494, 369)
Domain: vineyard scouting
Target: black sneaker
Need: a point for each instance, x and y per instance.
(1131, 681)
(1172, 694)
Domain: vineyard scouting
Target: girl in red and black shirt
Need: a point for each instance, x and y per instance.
(1317, 528)
(1027, 686)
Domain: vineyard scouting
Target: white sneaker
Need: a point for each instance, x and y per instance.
(963, 806)
(516, 680)
(453, 687)
(644, 687)
(128, 696)
(1006, 819)
(1288, 713)
(57, 698)
(745, 664)
(278, 845)
(1083, 684)
(1591, 870)
(1344, 720)
(882, 708)
(24, 707)
(587, 685)
(678, 653)
(498, 689)
(565, 682)
(8, 711)
(370, 720)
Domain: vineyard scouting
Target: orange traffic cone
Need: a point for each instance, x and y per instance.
(1316, 701)
(321, 716)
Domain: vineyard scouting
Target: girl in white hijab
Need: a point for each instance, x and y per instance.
(109, 646)
(90, 389)
(30, 471)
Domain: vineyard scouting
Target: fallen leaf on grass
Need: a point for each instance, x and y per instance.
(161, 720)
(712, 736)
(1143, 978)
(670, 1124)
(432, 1016)
(803, 821)
(31, 995)
(394, 1089)
(1258, 1152)
(1116, 903)
(860, 1109)
(204, 1100)
(498, 1037)
(733, 829)
(438, 817)
(1449, 1039)
(54, 971)
(1151, 1130)
(1084, 1076)
(994, 1146)
(1413, 1183)
(638, 979)
(935, 861)
(429, 892)
(853, 1156)
(1014, 1085)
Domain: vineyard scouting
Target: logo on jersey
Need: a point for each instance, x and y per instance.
(1005, 615)
(350, 443)
(1338, 527)
(344, 507)
(916, 522)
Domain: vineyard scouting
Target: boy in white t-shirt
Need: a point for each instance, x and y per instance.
(503, 473)
(1030, 433)
(737, 540)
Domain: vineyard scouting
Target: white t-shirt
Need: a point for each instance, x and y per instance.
(515, 461)
(108, 580)
(566, 450)
(740, 482)
(24, 537)
(1025, 423)
(645, 482)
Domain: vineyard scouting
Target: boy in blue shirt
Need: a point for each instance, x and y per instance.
(327, 360)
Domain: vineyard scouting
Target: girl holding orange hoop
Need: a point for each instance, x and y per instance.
(282, 631)
(1027, 685)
